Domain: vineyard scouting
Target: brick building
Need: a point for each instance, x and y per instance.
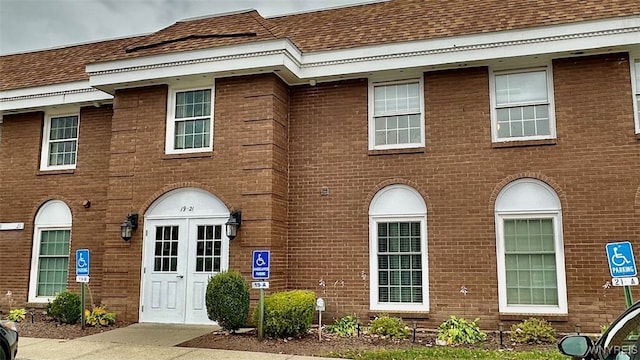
(387, 154)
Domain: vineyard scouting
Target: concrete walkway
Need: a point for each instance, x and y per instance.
(138, 342)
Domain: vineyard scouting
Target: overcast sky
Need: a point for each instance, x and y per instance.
(27, 25)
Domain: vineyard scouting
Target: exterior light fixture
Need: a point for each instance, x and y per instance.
(129, 225)
(235, 219)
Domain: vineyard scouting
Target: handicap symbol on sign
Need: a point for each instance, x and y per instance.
(260, 261)
(618, 259)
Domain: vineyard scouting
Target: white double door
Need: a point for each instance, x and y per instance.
(180, 256)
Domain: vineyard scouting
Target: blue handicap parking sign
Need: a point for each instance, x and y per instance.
(82, 262)
(621, 260)
(260, 264)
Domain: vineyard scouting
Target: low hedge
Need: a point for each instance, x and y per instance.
(287, 314)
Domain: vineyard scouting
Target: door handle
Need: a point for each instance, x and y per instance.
(180, 276)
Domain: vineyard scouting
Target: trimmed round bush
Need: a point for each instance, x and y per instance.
(288, 313)
(227, 300)
(65, 308)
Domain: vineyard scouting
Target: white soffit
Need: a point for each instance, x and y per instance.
(51, 95)
(618, 33)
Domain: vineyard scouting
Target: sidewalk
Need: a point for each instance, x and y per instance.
(137, 342)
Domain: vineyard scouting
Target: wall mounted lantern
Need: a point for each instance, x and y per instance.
(129, 225)
(235, 219)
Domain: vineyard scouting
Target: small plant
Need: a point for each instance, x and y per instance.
(459, 331)
(604, 328)
(288, 313)
(227, 300)
(17, 315)
(99, 317)
(533, 331)
(346, 326)
(65, 308)
(392, 327)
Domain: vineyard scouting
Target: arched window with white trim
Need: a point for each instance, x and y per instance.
(50, 256)
(398, 250)
(530, 250)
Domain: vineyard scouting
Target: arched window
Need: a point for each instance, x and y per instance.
(530, 250)
(50, 257)
(398, 250)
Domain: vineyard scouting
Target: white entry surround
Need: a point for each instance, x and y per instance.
(184, 246)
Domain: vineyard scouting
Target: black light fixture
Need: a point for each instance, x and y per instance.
(235, 219)
(128, 226)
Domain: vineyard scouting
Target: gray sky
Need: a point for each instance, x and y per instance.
(27, 25)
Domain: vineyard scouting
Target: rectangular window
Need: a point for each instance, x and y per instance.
(530, 262)
(635, 71)
(523, 105)
(166, 249)
(53, 262)
(190, 122)
(60, 142)
(396, 117)
(208, 248)
(399, 262)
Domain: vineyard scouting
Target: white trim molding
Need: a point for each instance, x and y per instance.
(295, 67)
(38, 97)
(12, 226)
(634, 63)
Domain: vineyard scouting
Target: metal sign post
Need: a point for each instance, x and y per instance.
(82, 276)
(622, 266)
(260, 271)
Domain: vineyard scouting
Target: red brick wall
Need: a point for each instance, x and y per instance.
(593, 167)
(23, 189)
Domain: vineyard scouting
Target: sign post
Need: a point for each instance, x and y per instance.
(260, 271)
(622, 266)
(82, 276)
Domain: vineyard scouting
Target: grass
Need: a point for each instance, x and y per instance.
(444, 353)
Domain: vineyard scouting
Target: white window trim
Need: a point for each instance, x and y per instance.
(373, 266)
(634, 89)
(372, 128)
(562, 307)
(171, 121)
(46, 129)
(494, 114)
(35, 252)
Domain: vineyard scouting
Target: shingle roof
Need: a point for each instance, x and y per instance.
(369, 24)
(407, 20)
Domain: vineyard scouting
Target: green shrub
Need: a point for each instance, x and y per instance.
(65, 308)
(345, 327)
(17, 315)
(392, 327)
(227, 300)
(459, 331)
(99, 317)
(287, 313)
(533, 331)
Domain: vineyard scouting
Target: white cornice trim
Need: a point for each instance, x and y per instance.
(51, 95)
(282, 54)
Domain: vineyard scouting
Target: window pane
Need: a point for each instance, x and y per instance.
(521, 87)
(399, 262)
(531, 277)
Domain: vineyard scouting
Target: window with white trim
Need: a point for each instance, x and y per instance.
(398, 250)
(635, 73)
(396, 115)
(51, 248)
(522, 105)
(190, 121)
(530, 250)
(60, 142)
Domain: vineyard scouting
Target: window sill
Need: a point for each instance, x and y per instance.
(206, 154)
(521, 317)
(55, 172)
(405, 315)
(540, 142)
(418, 150)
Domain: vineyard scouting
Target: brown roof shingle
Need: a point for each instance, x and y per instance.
(349, 27)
